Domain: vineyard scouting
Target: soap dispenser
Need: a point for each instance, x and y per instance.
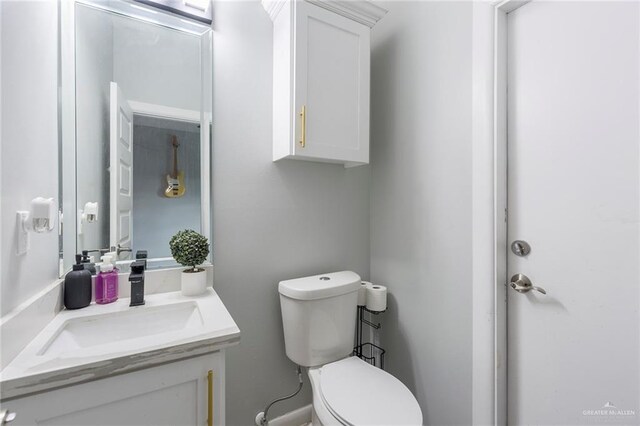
(77, 287)
(85, 259)
(107, 282)
(114, 257)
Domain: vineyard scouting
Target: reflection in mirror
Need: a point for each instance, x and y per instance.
(164, 152)
(142, 133)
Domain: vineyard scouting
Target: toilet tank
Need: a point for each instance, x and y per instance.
(319, 317)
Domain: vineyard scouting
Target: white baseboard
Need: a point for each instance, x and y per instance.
(297, 417)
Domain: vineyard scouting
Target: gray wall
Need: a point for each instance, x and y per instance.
(272, 221)
(156, 65)
(421, 200)
(156, 217)
(29, 148)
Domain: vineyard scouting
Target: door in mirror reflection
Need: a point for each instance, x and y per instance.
(120, 169)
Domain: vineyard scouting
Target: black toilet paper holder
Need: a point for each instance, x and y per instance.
(368, 352)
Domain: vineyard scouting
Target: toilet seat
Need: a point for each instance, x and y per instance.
(357, 393)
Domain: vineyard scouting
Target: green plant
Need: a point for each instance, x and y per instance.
(189, 248)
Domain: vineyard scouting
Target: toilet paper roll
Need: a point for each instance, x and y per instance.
(376, 298)
(362, 293)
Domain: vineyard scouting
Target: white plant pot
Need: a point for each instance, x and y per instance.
(194, 283)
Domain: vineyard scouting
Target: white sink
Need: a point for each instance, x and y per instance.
(106, 329)
(121, 338)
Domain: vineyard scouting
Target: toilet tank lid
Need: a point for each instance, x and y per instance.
(320, 286)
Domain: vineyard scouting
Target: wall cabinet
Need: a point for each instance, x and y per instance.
(176, 393)
(321, 73)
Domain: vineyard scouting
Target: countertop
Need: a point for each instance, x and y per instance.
(43, 366)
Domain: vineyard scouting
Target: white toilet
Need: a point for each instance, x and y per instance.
(318, 316)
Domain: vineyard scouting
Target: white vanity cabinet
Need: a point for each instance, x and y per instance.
(176, 393)
(321, 73)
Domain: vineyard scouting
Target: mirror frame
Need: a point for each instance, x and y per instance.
(68, 146)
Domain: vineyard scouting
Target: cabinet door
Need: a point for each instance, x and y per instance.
(332, 84)
(171, 394)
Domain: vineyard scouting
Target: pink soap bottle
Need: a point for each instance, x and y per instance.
(107, 282)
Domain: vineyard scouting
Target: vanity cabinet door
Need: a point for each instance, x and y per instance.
(171, 394)
(331, 85)
(321, 85)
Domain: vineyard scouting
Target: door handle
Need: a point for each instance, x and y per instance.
(522, 284)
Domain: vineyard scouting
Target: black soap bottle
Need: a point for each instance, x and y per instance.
(77, 287)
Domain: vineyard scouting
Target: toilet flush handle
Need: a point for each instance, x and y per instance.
(7, 417)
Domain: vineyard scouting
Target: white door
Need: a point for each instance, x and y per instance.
(574, 184)
(332, 84)
(121, 170)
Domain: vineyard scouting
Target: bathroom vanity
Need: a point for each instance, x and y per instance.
(161, 363)
(171, 394)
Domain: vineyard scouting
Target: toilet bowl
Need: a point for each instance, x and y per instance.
(318, 318)
(353, 392)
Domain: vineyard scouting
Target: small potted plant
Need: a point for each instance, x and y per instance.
(189, 248)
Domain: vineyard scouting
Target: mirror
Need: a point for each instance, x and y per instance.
(139, 139)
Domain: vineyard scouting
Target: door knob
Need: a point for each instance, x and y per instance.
(522, 284)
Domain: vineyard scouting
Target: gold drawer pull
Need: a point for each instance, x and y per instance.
(210, 398)
(303, 123)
